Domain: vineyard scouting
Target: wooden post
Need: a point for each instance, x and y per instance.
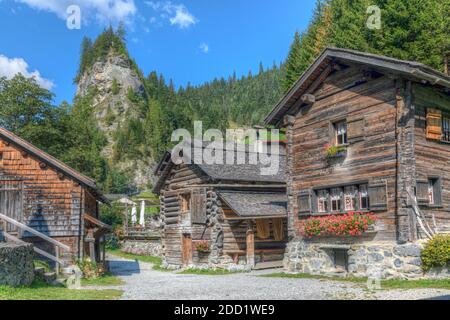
(104, 250)
(250, 244)
(57, 262)
(125, 227)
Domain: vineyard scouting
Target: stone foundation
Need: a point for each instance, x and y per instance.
(142, 247)
(385, 260)
(16, 264)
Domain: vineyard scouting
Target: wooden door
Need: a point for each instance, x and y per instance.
(11, 201)
(187, 249)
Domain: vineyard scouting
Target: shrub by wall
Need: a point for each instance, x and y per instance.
(436, 253)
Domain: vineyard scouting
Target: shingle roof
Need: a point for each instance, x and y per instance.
(409, 69)
(229, 172)
(245, 172)
(52, 162)
(249, 204)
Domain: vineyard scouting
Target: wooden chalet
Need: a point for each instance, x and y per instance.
(238, 213)
(390, 122)
(47, 203)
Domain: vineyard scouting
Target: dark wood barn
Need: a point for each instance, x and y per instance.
(389, 123)
(47, 203)
(237, 214)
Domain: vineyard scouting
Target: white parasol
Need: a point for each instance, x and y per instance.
(142, 215)
(134, 215)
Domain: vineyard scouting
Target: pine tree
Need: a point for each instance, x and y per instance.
(293, 69)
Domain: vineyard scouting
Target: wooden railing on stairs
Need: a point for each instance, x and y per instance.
(57, 245)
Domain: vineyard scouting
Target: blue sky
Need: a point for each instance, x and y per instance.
(187, 40)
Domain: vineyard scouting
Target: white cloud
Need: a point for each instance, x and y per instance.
(10, 67)
(204, 47)
(177, 14)
(104, 11)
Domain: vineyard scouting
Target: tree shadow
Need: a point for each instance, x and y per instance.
(124, 268)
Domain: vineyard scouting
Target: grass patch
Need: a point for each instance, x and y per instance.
(385, 284)
(43, 291)
(315, 276)
(105, 280)
(156, 261)
(416, 284)
(207, 272)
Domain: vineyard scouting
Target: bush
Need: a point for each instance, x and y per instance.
(89, 268)
(436, 252)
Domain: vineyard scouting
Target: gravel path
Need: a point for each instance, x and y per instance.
(143, 283)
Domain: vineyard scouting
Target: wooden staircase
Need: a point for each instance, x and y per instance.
(59, 247)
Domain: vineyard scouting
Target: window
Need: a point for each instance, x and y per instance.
(185, 202)
(322, 201)
(341, 199)
(363, 197)
(434, 191)
(446, 128)
(336, 199)
(350, 198)
(341, 132)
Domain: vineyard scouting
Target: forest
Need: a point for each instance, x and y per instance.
(415, 30)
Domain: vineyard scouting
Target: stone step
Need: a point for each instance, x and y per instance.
(268, 265)
(50, 277)
(39, 273)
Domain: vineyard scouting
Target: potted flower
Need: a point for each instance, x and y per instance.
(352, 224)
(334, 153)
(202, 246)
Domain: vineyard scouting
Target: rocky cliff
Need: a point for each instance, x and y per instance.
(116, 85)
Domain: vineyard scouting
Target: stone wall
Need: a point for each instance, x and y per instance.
(385, 260)
(16, 264)
(142, 247)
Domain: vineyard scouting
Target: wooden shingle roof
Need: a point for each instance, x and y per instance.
(322, 66)
(256, 205)
(52, 162)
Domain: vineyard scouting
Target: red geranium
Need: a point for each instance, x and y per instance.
(351, 224)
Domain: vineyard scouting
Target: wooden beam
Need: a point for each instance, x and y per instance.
(250, 244)
(308, 99)
(288, 120)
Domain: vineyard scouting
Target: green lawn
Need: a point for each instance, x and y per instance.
(206, 272)
(156, 261)
(42, 291)
(385, 284)
(106, 280)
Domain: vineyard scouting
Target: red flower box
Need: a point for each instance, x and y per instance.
(202, 246)
(352, 224)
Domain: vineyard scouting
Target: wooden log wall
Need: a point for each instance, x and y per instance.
(235, 235)
(180, 181)
(345, 95)
(432, 157)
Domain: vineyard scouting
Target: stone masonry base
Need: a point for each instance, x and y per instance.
(384, 260)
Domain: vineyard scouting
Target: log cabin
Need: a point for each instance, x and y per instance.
(47, 203)
(388, 124)
(222, 216)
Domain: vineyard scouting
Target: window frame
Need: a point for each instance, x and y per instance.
(320, 194)
(436, 184)
(352, 194)
(185, 202)
(445, 127)
(336, 197)
(323, 199)
(360, 196)
(337, 135)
